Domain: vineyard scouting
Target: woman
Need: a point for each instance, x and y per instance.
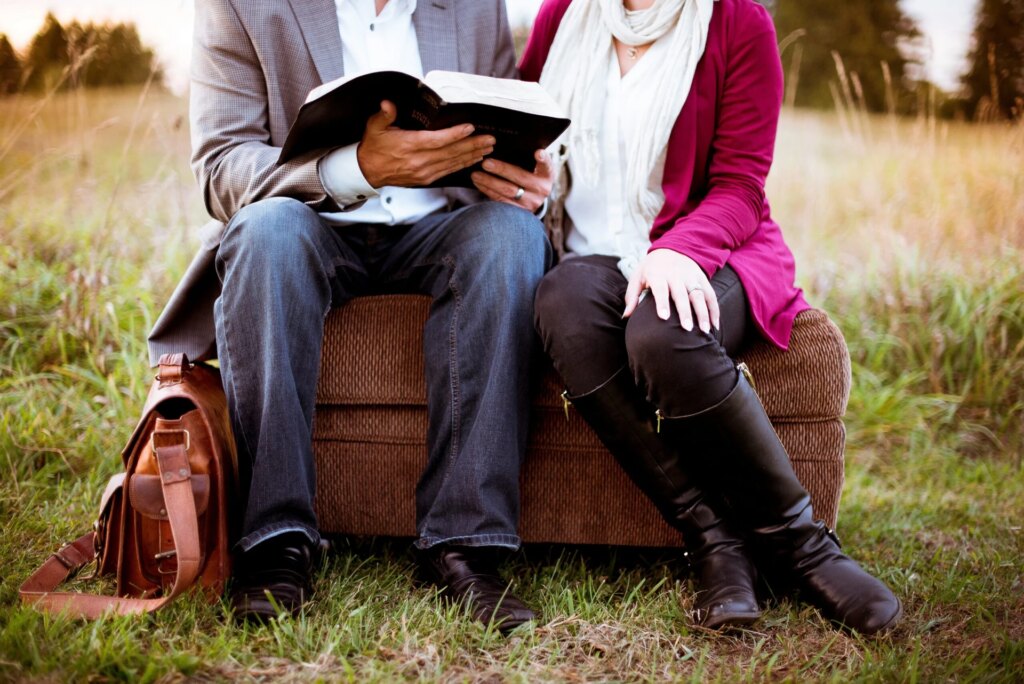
(672, 263)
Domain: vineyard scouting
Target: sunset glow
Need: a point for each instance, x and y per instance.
(166, 25)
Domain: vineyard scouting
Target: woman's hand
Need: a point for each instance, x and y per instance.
(512, 185)
(674, 278)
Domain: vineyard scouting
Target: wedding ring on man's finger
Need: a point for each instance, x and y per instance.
(519, 193)
(694, 289)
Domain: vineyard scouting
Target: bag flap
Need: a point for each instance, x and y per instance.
(197, 387)
(147, 496)
(108, 527)
(114, 488)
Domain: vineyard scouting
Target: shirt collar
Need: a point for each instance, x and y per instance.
(395, 9)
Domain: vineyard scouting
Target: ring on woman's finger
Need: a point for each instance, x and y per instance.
(695, 289)
(519, 193)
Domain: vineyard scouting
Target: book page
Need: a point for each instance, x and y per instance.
(325, 88)
(524, 96)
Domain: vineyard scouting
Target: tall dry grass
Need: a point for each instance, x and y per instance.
(911, 234)
(97, 210)
(907, 232)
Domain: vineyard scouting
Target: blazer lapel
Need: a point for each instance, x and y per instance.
(437, 34)
(318, 20)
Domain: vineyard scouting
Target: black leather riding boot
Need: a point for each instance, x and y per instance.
(725, 575)
(754, 474)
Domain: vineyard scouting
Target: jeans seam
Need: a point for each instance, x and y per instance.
(272, 530)
(484, 539)
(453, 372)
(234, 394)
(252, 456)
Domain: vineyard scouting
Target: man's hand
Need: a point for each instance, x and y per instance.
(674, 278)
(512, 185)
(392, 156)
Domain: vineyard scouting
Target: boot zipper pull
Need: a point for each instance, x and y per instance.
(565, 403)
(659, 416)
(745, 369)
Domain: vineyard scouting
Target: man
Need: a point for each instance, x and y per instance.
(294, 240)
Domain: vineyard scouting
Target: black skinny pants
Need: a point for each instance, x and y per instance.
(578, 314)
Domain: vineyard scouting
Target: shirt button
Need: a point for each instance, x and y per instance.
(360, 197)
(371, 27)
(387, 200)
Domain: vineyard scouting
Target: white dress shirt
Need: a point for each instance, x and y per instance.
(373, 42)
(601, 222)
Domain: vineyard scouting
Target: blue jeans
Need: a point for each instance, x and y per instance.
(282, 269)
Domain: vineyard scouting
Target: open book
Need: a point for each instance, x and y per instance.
(520, 115)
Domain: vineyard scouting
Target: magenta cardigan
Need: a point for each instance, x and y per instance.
(719, 154)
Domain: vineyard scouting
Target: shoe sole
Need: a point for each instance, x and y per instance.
(731, 620)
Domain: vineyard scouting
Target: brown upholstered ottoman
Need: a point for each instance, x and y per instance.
(369, 432)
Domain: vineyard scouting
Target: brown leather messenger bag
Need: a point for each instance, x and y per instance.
(166, 522)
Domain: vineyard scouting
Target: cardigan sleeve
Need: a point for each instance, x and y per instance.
(542, 35)
(741, 151)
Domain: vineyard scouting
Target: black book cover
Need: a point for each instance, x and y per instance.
(337, 117)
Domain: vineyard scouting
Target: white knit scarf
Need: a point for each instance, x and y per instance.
(575, 71)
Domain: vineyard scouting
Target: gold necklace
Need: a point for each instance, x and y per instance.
(634, 51)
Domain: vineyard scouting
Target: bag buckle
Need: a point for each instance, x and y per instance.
(152, 437)
(71, 565)
(64, 560)
(99, 538)
(161, 557)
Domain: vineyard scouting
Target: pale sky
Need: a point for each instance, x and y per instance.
(166, 25)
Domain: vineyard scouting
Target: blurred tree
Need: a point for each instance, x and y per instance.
(865, 35)
(520, 34)
(47, 56)
(10, 67)
(994, 85)
(112, 55)
(98, 54)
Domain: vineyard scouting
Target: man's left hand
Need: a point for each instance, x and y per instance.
(503, 182)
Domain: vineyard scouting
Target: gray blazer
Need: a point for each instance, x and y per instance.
(253, 63)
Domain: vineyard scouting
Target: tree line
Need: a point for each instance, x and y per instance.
(868, 54)
(995, 77)
(77, 55)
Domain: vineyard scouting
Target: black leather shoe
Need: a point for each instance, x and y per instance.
(725, 575)
(821, 574)
(272, 579)
(469, 575)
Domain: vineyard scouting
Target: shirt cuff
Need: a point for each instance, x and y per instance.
(343, 179)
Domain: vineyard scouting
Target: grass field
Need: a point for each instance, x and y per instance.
(910, 233)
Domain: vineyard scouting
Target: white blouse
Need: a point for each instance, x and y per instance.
(599, 218)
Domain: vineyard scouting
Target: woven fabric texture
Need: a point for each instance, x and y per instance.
(369, 433)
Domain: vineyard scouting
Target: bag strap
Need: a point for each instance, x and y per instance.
(175, 481)
(172, 368)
